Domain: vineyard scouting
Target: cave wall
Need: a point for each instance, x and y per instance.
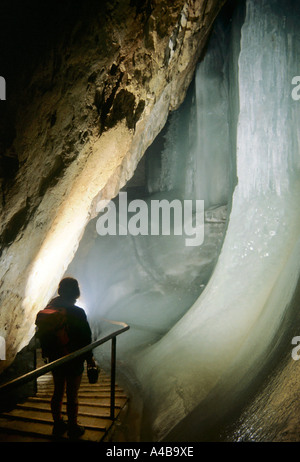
(89, 86)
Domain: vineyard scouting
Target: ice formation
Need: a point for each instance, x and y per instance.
(195, 352)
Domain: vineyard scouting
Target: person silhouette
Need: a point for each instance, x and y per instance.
(68, 376)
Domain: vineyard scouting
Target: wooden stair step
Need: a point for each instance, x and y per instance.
(83, 389)
(13, 437)
(48, 378)
(92, 411)
(102, 376)
(95, 423)
(119, 402)
(91, 395)
(42, 429)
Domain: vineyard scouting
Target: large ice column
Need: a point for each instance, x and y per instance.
(212, 147)
(208, 360)
(192, 156)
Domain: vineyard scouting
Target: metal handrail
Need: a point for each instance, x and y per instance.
(75, 354)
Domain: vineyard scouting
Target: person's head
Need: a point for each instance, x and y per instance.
(69, 289)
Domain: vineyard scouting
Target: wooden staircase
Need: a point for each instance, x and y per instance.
(31, 420)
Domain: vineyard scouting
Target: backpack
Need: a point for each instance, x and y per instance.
(52, 331)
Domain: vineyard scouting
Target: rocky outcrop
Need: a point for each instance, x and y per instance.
(79, 115)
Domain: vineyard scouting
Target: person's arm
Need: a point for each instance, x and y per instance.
(87, 339)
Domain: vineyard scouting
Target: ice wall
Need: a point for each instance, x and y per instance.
(206, 363)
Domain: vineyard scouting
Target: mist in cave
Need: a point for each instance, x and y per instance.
(203, 319)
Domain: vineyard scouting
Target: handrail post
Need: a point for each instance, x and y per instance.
(35, 363)
(113, 378)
